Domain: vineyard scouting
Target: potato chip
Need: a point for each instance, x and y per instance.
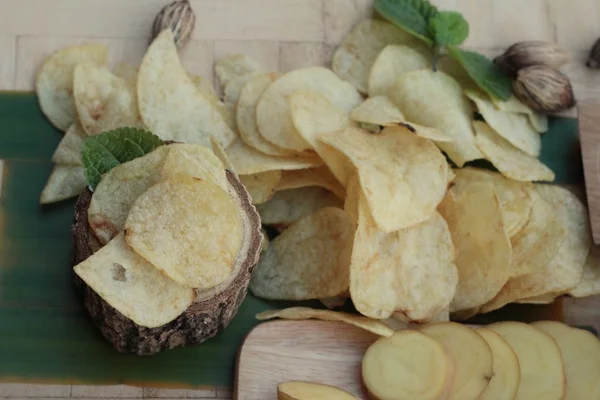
(69, 149)
(133, 286)
(409, 271)
(179, 161)
(514, 196)
(510, 161)
(265, 241)
(378, 110)
(393, 61)
(589, 285)
(299, 313)
(538, 121)
(233, 66)
(64, 182)
(206, 88)
(103, 100)
(404, 177)
(514, 128)
(334, 302)
(170, 104)
(221, 154)
(320, 176)
(353, 193)
(262, 185)
(127, 72)
(54, 82)
(354, 58)
(233, 89)
(288, 206)
(206, 255)
(246, 160)
(484, 250)
(436, 100)
(273, 109)
(309, 260)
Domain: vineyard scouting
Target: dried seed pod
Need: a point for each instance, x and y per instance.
(544, 89)
(594, 57)
(525, 54)
(180, 18)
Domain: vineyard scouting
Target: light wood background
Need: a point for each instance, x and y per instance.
(282, 34)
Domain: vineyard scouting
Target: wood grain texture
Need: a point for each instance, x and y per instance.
(589, 131)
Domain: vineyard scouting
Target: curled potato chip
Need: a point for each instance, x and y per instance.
(378, 110)
(514, 128)
(309, 260)
(589, 284)
(404, 177)
(206, 88)
(273, 114)
(353, 60)
(538, 121)
(221, 154)
(484, 251)
(181, 161)
(127, 72)
(393, 61)
(436, 100)
(69, 149)
(320, 176)
(65, 181)
(233, 66)
(233, 89)
(359, 321)
(262, 185)
(409, 271)
(103, 100)
(510, 161)
(54, 82)
(170, 104)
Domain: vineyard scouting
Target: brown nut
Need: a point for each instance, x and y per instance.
(525, 54)
(180, 18)
(544, 89)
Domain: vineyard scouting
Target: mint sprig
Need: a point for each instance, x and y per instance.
(448, 28)
(411, 15)
(103, 152)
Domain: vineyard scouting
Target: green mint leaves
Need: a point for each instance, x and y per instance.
(101, 153)
(445, 29)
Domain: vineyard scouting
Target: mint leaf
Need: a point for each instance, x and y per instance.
(411, 15)
(448, 28)
(101, 153)
(484, 72)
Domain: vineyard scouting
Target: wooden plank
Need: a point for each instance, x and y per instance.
(266, 52)
(8, 52)
(577, 23)
(341, 15)
(293, 55)
(518, 20)
(589, 131)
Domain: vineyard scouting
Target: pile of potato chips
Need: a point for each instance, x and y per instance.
(348, 169)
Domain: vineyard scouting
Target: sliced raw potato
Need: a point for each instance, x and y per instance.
(54, 82)
(334, 302)
(64, 182)
(538, 121)
(542, 371)
(181, 161)
(506, 373)
(471, 355)
(406, 366)
(273, 109)
(365, 323)
(309, 260)
(436, 100)
(510, 161)
(514, 128)
(589, 284)
(403, 176)
(514, 196)
(133, 286)
(69, 149)
(409, 271)
(206, 255)
(233, 89)
(261, 186)
(393, 61)
(103, 100)
(296, 390)
(233, 66)
(580, 352)
(484, 250)
(170, 104)
(353, 60)
(378, 110)
(320, 176)
(247, 161)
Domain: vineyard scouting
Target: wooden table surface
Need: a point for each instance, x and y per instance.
(281, 34)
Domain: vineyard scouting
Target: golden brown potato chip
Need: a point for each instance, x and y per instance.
(69, 149)
(64, 182)
(404, 177)
(181, 161)
(365, 323)
(133, 286)
(54, 82)
(320, 176)
(221, 154)
(206, 88)
(393, 61)
(206, 255)
(273, 109)
(484, 250)
(309, 260)
(230, 67)
(538, 121)
(514, 128)
(378, 110)
(510, 161)
(409, 271)
(589, 284)
(436, 100)
(170, 104)
(353, 193)
(261, 186)
(353, 60)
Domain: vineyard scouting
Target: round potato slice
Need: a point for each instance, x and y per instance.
(580, 351)
(471, 355)
(406, 366)
(542, 371)
(506, 373)
(261, 186)
(190, 229)
(393, 61)
(296, 390)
